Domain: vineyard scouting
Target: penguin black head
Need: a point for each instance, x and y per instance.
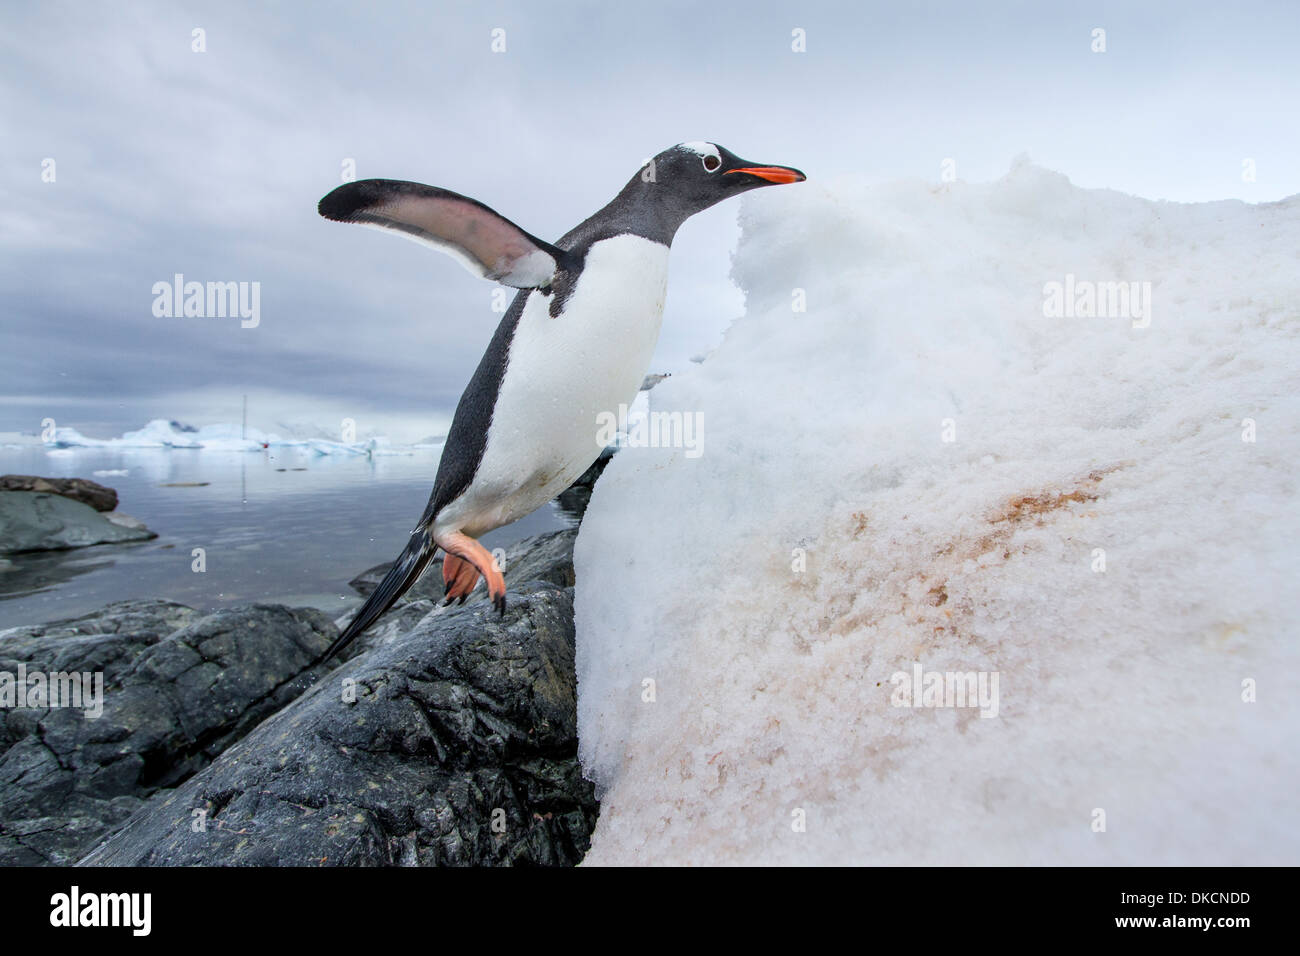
(704, 173)
(691, 177)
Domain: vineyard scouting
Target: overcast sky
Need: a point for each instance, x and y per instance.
(210, 164)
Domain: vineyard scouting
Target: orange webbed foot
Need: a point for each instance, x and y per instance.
(465, 560)
(459, 578)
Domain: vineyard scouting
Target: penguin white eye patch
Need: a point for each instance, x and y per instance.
(708, 154)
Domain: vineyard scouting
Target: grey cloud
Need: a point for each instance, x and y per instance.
(211, 164)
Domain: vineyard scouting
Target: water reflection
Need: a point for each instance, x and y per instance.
(272, 524)
(32, 573)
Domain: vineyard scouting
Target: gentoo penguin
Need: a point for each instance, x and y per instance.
(576, 341)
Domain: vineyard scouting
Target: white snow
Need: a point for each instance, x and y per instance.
(1118, 690)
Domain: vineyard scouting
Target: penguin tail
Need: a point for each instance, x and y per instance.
(404, 573)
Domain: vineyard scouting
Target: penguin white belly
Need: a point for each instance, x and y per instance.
(561, 374)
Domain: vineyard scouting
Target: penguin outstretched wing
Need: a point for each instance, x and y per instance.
(482, 240)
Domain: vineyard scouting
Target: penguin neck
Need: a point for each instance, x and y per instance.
(645, 209)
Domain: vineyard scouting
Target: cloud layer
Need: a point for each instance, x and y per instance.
(210, 164)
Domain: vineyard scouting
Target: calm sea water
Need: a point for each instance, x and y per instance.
(281, 525)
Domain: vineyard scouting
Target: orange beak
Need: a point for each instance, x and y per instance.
(773, 174)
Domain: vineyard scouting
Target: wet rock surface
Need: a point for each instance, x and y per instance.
(175, 688)
(455, 743)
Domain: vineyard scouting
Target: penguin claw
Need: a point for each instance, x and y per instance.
(500, 604)
(459, 577)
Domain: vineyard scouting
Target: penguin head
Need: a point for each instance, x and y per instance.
(690, 177)
(706, 173)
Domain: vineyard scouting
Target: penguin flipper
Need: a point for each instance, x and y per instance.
(481, 239)
(404, 573)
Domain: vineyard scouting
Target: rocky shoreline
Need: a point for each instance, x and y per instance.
(448, 736)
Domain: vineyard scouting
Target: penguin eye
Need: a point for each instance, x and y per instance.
(711, 163)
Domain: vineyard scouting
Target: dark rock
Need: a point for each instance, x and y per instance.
(427, 588)
(178, 688)
(547, 558)
(451, 737)
(78, 489)
(39, 521)
(452, 742)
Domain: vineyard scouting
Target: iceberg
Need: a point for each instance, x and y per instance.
(225, 437)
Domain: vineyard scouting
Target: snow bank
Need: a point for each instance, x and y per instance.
(1100, 535)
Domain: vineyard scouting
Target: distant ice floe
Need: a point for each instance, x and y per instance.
(161, 433)
(19, 441)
